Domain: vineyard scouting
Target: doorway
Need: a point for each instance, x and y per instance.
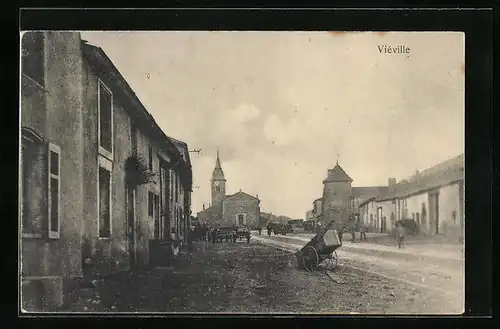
(131, 227)
(434, 212)
(379, 220)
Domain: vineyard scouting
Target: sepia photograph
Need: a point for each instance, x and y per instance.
(241, 172)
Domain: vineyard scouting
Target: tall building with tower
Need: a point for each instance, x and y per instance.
(218, 183)
(239, 208)
(336, 197)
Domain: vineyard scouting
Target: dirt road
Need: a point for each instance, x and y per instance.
(251, 278)
(442, 285)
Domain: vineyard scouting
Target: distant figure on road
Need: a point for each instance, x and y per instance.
(260, 230)
(353, 233)
(362, 232)
(269, 230)
(401, 232)
(341, 233)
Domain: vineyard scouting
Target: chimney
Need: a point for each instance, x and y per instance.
(203, 206)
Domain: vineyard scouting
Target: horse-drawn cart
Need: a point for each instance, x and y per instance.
(320, 249)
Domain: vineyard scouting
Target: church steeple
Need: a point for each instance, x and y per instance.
(218, 183)
(218, 173)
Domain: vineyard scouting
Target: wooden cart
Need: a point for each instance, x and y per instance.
(320, 249)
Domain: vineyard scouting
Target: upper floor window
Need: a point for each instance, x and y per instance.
(150, 157)
(32, 54)
(54, 190)
(105, 106)
(176, 187)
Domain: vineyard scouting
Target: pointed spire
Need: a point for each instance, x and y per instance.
(218, 173)
(217, 163)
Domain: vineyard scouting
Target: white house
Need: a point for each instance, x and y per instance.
(434, 198)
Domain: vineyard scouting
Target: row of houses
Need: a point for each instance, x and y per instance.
(433, 198)
(100, 183)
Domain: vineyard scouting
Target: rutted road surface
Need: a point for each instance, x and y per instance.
(442, 278)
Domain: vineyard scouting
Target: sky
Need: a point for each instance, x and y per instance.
(284, 107)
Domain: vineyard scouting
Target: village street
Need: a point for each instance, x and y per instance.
(437, 269)
(255, 278)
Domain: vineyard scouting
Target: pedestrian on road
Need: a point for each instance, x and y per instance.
(362, 232)
(341, 233)
(260, 230)
(401, 232)
(353, 233)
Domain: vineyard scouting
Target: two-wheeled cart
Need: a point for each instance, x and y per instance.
(320, 249)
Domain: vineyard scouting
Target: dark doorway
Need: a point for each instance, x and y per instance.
(380, 220)
(131, 225)
(164, 202)
(434, 212)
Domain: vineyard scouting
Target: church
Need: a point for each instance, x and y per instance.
(225, 210)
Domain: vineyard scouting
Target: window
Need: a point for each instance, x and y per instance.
(157, 217)
(33, 56)
(54, 188)
(105, 101)
(150, 155)
(151, 205)
(176, 187)
(104, 202)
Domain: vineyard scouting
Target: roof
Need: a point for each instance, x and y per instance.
(182, 147)
(209, 210)
(318, 199)
(365, 193)
(104, 67)
(218, 173)
(443, 174)
(337, 174)
(240, 194)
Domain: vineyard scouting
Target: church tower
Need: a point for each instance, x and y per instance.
(218, 184)
(336, 197)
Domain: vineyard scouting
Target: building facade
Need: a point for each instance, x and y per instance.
(229, 210)
(99, 179)
(336, 198)
(433, 198)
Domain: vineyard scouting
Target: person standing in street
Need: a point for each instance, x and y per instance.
(353, 233)
(341, 233)
(362, 232)
(401, 232)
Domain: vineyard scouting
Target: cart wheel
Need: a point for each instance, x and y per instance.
(311, 259)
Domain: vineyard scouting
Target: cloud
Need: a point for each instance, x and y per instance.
(244, 112)
(281, 131)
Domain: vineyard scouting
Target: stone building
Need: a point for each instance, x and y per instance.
(239, 208)
(99, 179)
(336, 197)
(434, 198)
